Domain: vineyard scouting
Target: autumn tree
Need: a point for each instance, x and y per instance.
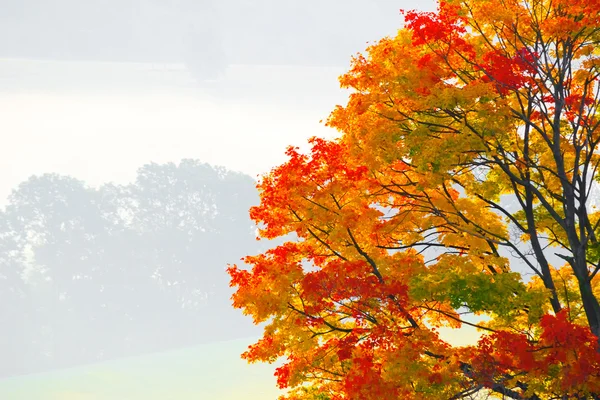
(462, 183)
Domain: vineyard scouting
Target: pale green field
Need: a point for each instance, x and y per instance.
(211, 371)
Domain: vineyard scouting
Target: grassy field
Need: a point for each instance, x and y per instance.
(211, 371)
(206, 372)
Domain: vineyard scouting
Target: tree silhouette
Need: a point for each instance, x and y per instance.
(98, 273)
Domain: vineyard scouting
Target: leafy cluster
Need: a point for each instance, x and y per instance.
(462, 183)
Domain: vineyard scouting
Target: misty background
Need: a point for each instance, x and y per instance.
(134, 132)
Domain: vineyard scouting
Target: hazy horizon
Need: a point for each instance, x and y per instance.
(92, 119)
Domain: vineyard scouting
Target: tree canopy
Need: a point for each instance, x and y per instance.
(463, 184)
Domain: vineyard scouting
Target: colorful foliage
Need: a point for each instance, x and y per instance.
(462, 183)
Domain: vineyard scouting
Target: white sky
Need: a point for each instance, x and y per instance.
(105, 131)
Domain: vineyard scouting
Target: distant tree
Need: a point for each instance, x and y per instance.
(57, 222)
(94, 274)
(189, 215)
(14, 305)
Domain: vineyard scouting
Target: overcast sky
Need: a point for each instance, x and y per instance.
(100, 120)
(103, 130)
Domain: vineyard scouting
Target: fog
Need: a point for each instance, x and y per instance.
(134, 132)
